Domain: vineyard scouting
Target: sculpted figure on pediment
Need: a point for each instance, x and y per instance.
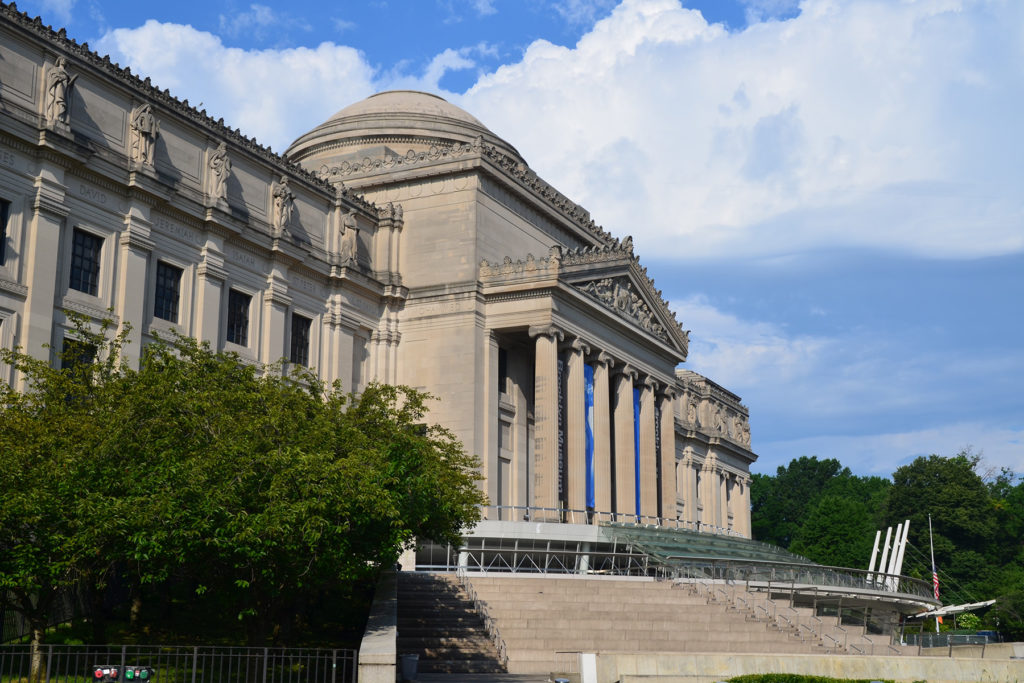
(58, 89)
(145, 130)
(220, 171)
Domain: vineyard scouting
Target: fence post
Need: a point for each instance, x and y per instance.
(195, 661)
(266, 655)
(49, 661)
(334, 666)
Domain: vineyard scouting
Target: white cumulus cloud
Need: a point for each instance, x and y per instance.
(274, 95)
(878, 125)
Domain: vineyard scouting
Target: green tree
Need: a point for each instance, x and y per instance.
(964, 522)
(46, 431)
(837, 531)
(780, 503)
(260, 490)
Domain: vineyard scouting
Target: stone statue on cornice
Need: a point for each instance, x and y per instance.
(145, 130)
(220, 171)
(349, 237)
(58, 89)
(284, 205)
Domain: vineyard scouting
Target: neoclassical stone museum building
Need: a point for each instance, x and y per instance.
(400, 241)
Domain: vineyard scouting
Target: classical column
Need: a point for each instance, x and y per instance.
(625, 445)
(545, 420)
(648, 451)
(741, 501)
(723, 498)
(710, 491)
(687, 483)
(602, 433)
(136, 247)
(669, 510)
(576, 429)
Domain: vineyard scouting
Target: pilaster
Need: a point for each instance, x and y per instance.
(136, 247)
(42, 249)
(211, 275)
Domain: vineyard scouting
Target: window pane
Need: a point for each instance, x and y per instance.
(300, 340)
(5, 212)
(76, 353)
(168, 283)
(238, 318)
(85, 262)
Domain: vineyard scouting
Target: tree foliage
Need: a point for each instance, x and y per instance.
(257, 489)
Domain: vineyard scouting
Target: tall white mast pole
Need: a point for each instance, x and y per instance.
(935, 574)
(874, 554)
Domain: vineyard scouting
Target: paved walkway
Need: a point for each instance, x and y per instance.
(482, 678)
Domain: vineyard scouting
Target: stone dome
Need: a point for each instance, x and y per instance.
(394, 118)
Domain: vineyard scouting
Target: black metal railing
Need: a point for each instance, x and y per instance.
(180, 664)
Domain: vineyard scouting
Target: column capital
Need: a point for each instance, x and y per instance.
(546, 331)
(577, 344)
(601, 358)
(649, 382)
(625, 369)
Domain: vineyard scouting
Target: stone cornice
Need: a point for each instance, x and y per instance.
(80, 55)
(614, 292)
(511, 166)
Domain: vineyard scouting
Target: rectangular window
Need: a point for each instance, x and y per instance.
(168, 286)
(85, 262)
(5, 212)
(238, 318)
(76, 353)
(300, 340)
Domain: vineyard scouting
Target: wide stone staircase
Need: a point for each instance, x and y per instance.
(544, 618)
(437, 621)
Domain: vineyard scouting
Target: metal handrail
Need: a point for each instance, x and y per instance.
(532, 513)
(490, 624)
(751, 570)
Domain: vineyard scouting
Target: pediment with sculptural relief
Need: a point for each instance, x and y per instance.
(609, 275)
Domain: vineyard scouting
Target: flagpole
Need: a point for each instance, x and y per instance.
(935, 574)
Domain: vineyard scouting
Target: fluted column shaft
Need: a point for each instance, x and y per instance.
(602, 434)
(545, 419)
(710, 491)
(669, 511)
(575, 427)
(625, 445)
(648, 454)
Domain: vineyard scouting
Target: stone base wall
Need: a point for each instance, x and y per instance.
(709, 668)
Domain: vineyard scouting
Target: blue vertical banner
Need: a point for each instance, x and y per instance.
(588, 421)
(636, 445)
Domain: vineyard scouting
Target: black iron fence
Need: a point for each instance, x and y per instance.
(178, 664)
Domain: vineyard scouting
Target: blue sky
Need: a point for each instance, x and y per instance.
(828, 192)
